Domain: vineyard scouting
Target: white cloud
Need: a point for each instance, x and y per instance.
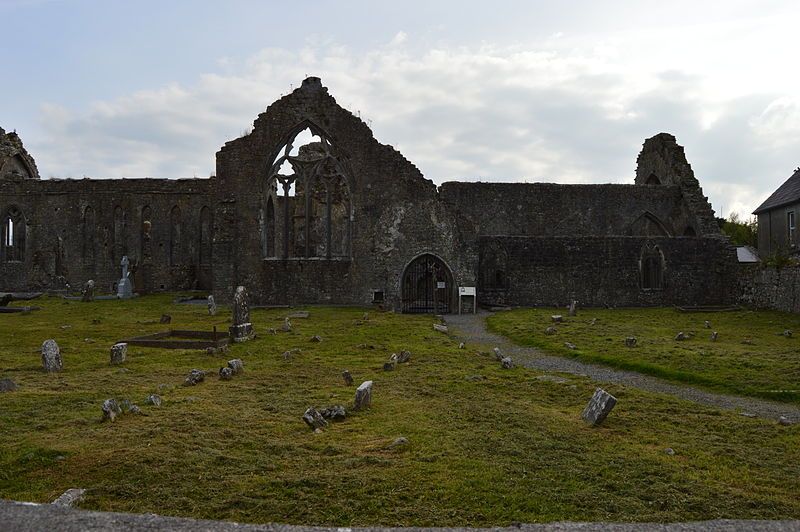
(572, 112)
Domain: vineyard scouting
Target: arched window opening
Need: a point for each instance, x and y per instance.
(651, 268)
(146, 235)
(306, 210)
(13, 235)
(88, 234)
(653, 180)
(175, 234)
(493, 264)
(120, 235)
(205, 236)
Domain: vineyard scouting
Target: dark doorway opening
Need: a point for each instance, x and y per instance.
(427, 286)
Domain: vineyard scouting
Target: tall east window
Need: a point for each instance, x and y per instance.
(790, 227)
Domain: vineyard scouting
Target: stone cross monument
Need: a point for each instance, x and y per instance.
(124, 287)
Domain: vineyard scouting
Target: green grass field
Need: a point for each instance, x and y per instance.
(750, 356)
(510, 447)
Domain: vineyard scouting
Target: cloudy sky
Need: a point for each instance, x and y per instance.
(510, 91)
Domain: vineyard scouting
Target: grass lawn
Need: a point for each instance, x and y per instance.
(509, 447)
(750, 356)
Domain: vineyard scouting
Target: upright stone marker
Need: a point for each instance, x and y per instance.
(242, 329)
(51, 356)
(363, 396)
(314, 419)
(599, 407)
(348, 379)
(119, 352)
(573, 308)
(124, 286)
(87, 294)
(212, 306)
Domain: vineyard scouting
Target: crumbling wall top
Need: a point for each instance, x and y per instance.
(15, 161)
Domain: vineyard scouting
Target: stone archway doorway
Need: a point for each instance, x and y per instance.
(427, 286)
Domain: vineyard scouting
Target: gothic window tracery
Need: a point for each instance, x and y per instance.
(13, 235)
(651, 267)
(306, 206)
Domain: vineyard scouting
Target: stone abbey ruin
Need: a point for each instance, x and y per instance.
(343, 219)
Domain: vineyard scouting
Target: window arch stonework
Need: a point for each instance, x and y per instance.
(13, 235)
(651, 267)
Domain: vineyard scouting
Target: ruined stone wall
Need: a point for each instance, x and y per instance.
(396, 213)
(549, 209)
(606, 271)
(769, 287)
(77, 230)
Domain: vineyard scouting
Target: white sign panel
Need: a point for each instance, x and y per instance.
(466, 290)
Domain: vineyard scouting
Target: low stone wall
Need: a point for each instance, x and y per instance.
(770, 288)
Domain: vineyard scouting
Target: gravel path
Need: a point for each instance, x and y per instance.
(471, 328)
(27, 517)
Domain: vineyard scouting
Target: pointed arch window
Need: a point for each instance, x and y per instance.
(88, 235)
(651, 267)
(120, 244)
(205, 236)
(175, 236)
(307, 205)
(13, 233)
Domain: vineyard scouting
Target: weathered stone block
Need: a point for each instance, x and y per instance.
(599, 407)
(119, 352)
(51, 356)
(363, 396)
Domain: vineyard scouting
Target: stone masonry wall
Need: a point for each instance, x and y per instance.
(770, 288)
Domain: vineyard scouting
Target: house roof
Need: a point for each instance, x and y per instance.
(746, 254)
(788, 192)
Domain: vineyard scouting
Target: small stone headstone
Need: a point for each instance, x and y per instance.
(461, 345)
(287, 325)
(363, 396)
(599, 407)
(7, 385)
(569, 345)
(707, 324)
(242, 329)
(236, 365)
(225, 373)
(558, 318)
(785, 421)
(195, 376)
(335, 413)
(550, 331)
(111, 410)
(573, 308)
(670, 451)
(787, 333)
(348, 379)
(399, 442)
(388, 366)
(498, 355)
(440, 328)
(631, 341)
(69, 498)
(714, 336)
(87, 294)
(212, 306)
(153, 399)
(314, 419)
(51, 356)
(680, 337)
(403, 357)
(118, 352)
(165, 318)
(316, 338)
(507, 363)
(124, 286)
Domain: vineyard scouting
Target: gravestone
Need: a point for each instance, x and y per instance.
(550, 330)
(195, 376)
(498, 355)
(51, 356)
(707, 324)
(69, 498)
(236, 365)
(558, 318)
(389, 366)
(714, 336)
(363, 396)
(680, 337)
(212, 306)
(287, 325)
(507, 363)
(631, 341)
(570, 345)
(348, 379)
(573, 308)
(165, 318)
(87, 294)
(403, 357)
(440, 328)
(242, 329)
(314, 419)
(153, 399)
(118, 353)
(316, 338)
(124, 286)
(111, 410)
(7, 385)
(225, 373)
(599, 407)
(334, 412)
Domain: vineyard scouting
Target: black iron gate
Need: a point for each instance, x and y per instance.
(427, 286)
